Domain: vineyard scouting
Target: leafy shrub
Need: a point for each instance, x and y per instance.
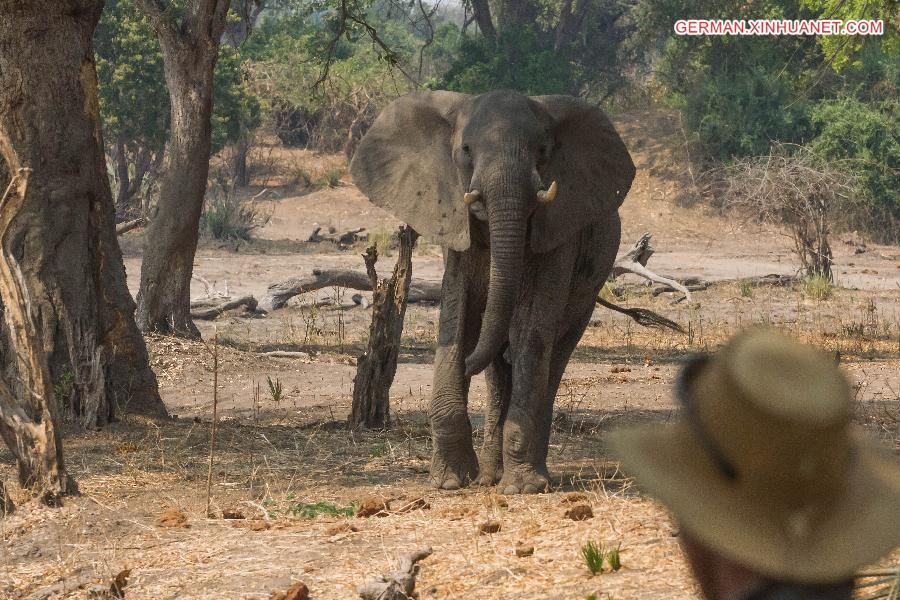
(865, 138)
(520, 61)
(225, 217)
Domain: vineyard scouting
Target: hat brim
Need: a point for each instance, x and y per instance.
(861, 527)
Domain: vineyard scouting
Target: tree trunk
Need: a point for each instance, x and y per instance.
(239, 165)
(122, 194)
(482, 10)
(190, 50)
(376, 368)
(64, 237)
(29, 421)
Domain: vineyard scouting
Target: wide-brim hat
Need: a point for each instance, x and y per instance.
(764, 467)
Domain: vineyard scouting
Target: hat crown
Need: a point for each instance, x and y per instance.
(779, 413)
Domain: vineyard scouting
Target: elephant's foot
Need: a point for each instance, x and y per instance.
(453, 470)
(524, 479)
(490, 467)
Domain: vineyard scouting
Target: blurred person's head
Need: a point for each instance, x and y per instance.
(776, 495)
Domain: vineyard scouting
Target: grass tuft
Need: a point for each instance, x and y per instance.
(593, 556)
(818, 287)
(614, 559)
(276, 389)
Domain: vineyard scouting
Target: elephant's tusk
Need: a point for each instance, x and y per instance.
(548, 195)
(471, 197)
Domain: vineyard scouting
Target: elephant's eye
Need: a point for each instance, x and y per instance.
(542, 153)
(467, 150)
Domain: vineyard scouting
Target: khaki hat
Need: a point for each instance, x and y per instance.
(764, 467)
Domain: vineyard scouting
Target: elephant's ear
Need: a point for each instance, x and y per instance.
(591, 166)
(404, 164)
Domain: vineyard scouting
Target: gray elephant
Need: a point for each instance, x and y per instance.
(523, 194)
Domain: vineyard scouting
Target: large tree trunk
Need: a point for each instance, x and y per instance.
(64, 236)
(190, 50)
(29, 420)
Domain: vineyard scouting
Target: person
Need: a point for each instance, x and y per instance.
(776, 495)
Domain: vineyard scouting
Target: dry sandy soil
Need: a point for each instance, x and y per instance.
(291, 468)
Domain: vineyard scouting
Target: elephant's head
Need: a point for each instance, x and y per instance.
(537, 169)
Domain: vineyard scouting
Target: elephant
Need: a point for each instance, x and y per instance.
(522, 193)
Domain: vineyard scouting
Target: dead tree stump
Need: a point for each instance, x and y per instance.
(376, 368)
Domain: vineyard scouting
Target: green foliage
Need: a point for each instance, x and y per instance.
(593, 556)
(746, 288)
(844, 51)
(866, 138)
(134, 101)
(613, 558)
(739, 114)
(311, 511)
(276, 389)
(521, 61)
(236, 107)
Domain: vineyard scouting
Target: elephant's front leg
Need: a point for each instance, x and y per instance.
(533, 335)
(453, 462)
(499, 388)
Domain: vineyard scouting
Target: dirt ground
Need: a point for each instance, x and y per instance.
(289, 466)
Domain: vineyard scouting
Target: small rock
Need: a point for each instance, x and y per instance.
(580, 512)
(620, 370)
(172, 517)
(574, 498)
(342, 527)
(373, 506)
(297, 591)
(489, 527)
(523, 550)
(233, 513)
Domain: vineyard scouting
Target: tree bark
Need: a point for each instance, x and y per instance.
(190, 50)
(482, 10)
(64, 237)
(376, 368)
(29, 423)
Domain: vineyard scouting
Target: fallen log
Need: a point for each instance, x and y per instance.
(201, 309)
(399, 585)
(643, 316)
(126, 226)
(278, 294)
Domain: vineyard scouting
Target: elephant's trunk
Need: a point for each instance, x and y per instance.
(507, 224)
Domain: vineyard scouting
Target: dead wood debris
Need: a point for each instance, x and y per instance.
(211, 308)
(400, 584)
(635, 261)
(341, 240)
(278, 294)
(126, 226)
